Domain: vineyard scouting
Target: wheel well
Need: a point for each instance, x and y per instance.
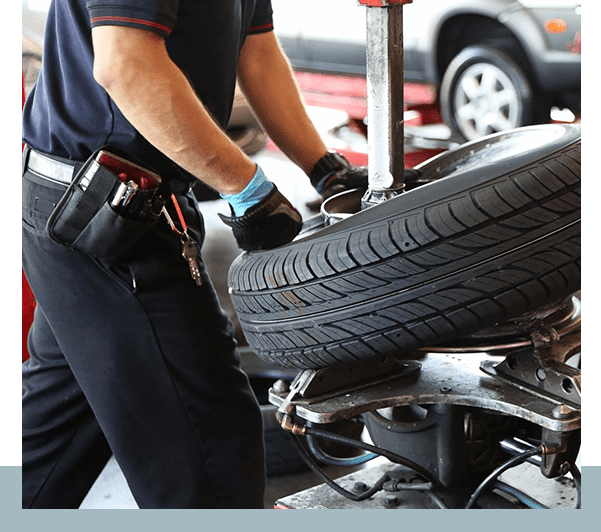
(465, 30)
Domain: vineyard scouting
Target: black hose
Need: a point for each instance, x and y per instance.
(336, 487)
(393, 457)
(512, 462)
(395, 485)
(437, 500)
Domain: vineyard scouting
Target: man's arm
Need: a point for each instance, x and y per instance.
(133, 66)
(267, 80)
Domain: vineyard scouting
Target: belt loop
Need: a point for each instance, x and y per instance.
(25, 158)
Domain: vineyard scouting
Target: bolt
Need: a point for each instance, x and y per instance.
(360, 487)
(281, 386)
(562, 412)
(445, 389)
(391, 502)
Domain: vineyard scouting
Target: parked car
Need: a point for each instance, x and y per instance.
(243, 128)
(496, 64)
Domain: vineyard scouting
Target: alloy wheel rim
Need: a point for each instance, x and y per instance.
(486, 101)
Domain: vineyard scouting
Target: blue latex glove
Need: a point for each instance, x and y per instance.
(262, 217)
(255, 191)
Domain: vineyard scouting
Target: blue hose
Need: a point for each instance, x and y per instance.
(331, 460)
(520, 496)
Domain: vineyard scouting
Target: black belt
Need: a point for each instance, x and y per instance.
(60, 170)
(49, 167)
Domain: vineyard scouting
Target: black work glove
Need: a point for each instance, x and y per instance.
(270, 223)
(333, 174)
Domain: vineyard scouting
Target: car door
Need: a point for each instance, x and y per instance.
(330, 36)
(323, 36)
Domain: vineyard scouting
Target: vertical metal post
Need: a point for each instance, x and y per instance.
(385, 101)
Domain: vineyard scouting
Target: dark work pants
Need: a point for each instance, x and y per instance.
(132, 359)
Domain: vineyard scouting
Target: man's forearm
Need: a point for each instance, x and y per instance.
(154, 95)
(268, 83)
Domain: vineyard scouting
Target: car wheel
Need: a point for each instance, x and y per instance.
(484, 91)
(497, 237)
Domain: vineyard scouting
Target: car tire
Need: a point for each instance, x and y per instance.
(497, 237)
(484, 91)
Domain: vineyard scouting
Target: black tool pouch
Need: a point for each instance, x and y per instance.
(89, 219)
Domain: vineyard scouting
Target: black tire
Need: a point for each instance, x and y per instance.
(489, 72)
(497, 237)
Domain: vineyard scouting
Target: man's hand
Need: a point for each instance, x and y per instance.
(333, 174)
(270, 223)
(262, 217)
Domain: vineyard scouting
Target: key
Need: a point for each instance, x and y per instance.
(192, 255)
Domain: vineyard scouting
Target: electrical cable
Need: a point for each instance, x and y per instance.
(325, 458)
(437, 500)
(492, 480)
(512, 462)
(336, 487)
(520, 496)
(393, 457)
(379, 485)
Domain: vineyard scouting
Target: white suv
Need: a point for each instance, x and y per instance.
(497, 64)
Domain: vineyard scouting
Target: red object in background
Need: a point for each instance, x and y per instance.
(349, 94)
(27, 299)
(28, 304)
(383, 3)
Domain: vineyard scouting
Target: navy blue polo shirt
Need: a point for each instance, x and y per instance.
(69, 115)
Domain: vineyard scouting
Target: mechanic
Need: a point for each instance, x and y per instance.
(133, 357)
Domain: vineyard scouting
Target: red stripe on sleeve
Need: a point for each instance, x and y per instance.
(133, 21)
(258, 29)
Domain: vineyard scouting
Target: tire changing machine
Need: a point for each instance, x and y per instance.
(449, 421)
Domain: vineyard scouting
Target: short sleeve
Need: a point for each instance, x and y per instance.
(154, 15)
(262, 20)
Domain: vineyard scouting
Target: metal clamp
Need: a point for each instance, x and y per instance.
(543, 370)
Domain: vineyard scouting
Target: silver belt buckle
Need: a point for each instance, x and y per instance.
(49, 168)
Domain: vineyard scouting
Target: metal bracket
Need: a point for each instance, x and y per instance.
(312, 385)
(443, 378)
(542, 370)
